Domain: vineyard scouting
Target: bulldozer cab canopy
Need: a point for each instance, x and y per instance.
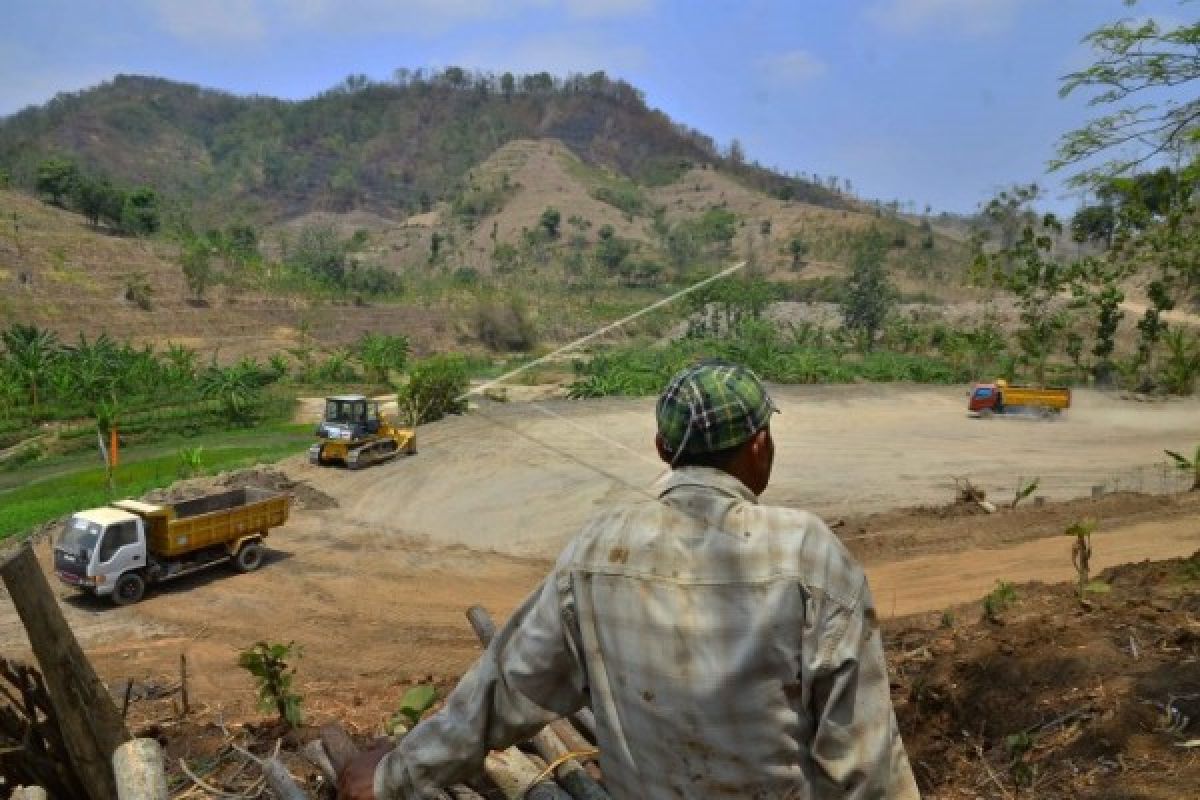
(350, 409)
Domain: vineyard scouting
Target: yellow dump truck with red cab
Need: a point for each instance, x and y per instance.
(117, 550)
(1002, 397)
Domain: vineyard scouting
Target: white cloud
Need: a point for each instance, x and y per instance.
(957, 17)
(213, 20)
(558, 54)
(607, 8)
(239, 21)
(792, 68)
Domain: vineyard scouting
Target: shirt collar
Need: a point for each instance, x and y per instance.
(706, 478)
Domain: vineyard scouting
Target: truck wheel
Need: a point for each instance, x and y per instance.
(249, 558)
(129, 589)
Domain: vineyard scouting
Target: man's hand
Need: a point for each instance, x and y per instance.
(357, 781)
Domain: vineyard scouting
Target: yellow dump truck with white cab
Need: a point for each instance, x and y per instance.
(118, 550)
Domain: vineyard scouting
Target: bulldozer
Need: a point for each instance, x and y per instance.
(353, 433)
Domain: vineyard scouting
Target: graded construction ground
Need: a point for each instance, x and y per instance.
(374, 589)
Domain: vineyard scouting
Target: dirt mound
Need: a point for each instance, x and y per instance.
(921, 530)
(1054, 699)
(306, 496)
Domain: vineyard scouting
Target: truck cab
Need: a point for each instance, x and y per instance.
(98, 548)
(986, 397)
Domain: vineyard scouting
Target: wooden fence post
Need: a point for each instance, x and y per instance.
(90, 722)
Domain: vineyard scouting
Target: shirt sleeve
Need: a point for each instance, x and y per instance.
(530, 675)
(857, 750)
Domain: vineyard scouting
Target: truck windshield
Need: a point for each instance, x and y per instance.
(79, 534)
(983, 393)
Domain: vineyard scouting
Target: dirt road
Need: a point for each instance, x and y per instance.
(521, 479)
(375, 590)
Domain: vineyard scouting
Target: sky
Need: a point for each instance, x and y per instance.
(929, 102)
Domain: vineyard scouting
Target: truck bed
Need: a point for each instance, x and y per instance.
(210, 521)
(1057, 398)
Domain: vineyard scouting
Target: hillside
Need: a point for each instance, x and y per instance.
(388, 148)
(59, 273)
(490, 248)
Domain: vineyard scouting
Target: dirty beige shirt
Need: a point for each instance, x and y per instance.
(728, 649)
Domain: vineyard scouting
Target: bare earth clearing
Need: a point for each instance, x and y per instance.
(374, 589)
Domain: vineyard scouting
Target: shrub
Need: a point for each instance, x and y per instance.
(999, 599)
(268, 663)
(436, 387)
(505, 326)
(191, 461)
(624, 196)
(139, 291)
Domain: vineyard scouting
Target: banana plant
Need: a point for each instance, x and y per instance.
(1191, 465)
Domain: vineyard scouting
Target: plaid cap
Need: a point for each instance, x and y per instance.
(711, 406)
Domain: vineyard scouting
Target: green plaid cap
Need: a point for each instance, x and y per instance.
(711, 406)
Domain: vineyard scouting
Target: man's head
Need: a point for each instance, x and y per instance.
(716, 414)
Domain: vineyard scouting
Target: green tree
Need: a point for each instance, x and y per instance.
(718, 226)
(436, 387)
(1181, 363)
(868, 296)
(612, 250)
(140, 214)
(57, 179)
(1094, 224)
(1096, 284)
(798, 249)
(318, 252)
(550, 221)
(196, 260)
(1007, 215)
(32, 354)
(380, 354)
(1038, 281)
(139, 291)
(93, 197)
(235, 387)
(1136, 60)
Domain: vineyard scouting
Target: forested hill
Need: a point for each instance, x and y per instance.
(389, 147)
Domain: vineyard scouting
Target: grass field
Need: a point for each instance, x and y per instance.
(32, 496)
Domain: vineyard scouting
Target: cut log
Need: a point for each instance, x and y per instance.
(91, 724)
(482, 624)
(140, 771)
(281, 781)
(338, 746)
(516, 777)
(314, 752)
(579, 782)
(569, 772)
(571, 737)
(28, 793)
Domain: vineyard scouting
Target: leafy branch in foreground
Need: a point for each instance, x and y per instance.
(1135, 59)
(269, 664)
(413, 705)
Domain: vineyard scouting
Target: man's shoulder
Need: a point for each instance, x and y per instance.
(767, 542)
(805, 542)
